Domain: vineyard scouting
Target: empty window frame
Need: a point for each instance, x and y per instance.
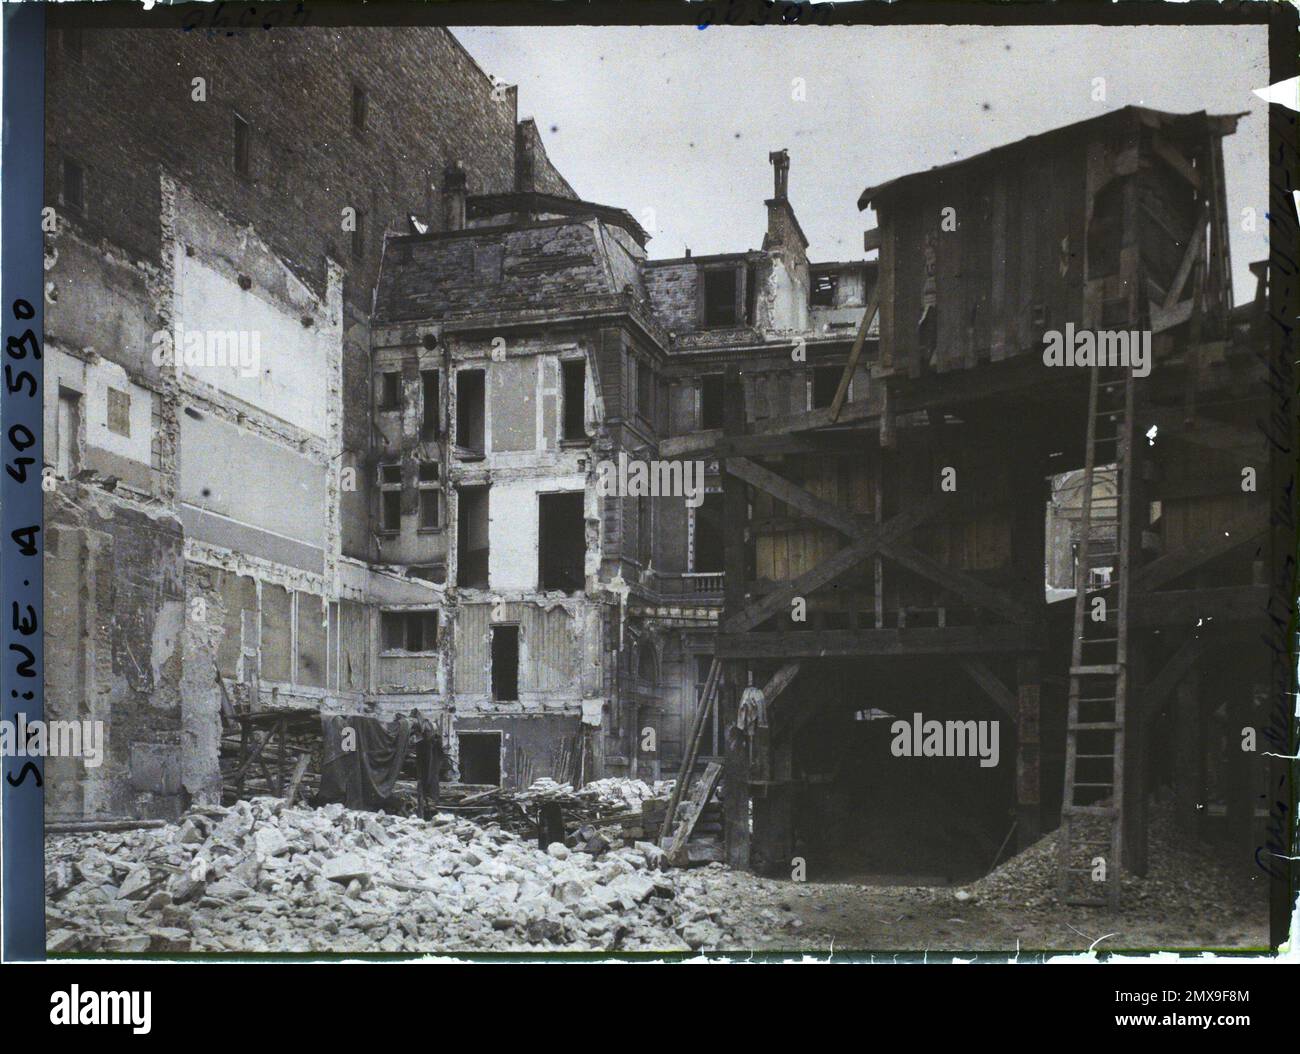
(409, 631)
(825, 383)
(471, 413)
(562, 542)
(429, 481)
(390, 390)
(720, 296)
(472, 537)
(574, 382)
(359, 107)
(711, 401)
(821, 291)
(243, 146)
(390, 499)
(505, 663)
(74, 186)
(430, 394)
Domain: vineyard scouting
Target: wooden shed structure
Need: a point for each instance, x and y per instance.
(885, 556)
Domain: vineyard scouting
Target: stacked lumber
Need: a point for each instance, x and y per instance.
(271, 753)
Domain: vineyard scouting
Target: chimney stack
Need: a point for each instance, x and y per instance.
(453, 198)
(780, 160)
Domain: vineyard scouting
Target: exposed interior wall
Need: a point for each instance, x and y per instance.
(114, 602)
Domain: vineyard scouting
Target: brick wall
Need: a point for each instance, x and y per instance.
(124, 107)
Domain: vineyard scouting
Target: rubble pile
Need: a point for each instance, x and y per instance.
(261, 876)
(1183, 878)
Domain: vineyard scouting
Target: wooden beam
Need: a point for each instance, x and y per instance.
(1183, 607)
(1242, 530)
(794, 495)
(813, 644)
(713, 443)
(964, 585)
(855, 353)
(779, 682)
(871, 239)
(760, 611)
(869, 540)
(1179, 666)
(1167, 318)
(1190, 255)
(1004, 697)
(1162, 149)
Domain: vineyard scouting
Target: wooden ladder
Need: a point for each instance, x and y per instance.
(1092, 807)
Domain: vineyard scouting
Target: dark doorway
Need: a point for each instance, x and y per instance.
(708, 536)
(505, 664)
(480, 757)
(561, 542)
(472, 537)
(711, 400)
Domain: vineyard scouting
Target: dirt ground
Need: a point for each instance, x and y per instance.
(881, 918)
(1188, 900)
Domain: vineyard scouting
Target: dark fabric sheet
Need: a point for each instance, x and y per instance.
(364, 776)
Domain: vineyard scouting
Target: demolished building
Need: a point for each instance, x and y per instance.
(401, 507)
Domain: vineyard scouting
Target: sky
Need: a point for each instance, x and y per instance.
(674, 124)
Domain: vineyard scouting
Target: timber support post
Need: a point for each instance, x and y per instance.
(735, 518)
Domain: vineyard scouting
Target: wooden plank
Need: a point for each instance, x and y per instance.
(298, 771)
(871, 239)
(691, 812)
(692, 751)
(870, 539)
(991, 683)
(1242, 530)
(855, 353)
(812, 644)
